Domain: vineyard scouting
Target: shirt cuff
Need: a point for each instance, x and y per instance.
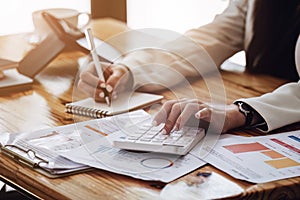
(262, 126)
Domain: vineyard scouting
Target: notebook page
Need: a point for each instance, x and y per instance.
(125, 102)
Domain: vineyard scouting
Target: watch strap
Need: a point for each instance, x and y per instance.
(246, 110)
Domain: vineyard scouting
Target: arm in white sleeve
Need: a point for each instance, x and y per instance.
(225, 36)
(279, 108)
(282, 106)
(206, 48)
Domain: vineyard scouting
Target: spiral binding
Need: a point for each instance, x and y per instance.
(88, 112)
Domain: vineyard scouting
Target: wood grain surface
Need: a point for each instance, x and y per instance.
(43, 107)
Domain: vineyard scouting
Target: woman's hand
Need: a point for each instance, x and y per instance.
(118, 79)
(175, 114)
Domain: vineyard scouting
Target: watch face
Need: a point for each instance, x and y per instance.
(247, 111)
(245, 107)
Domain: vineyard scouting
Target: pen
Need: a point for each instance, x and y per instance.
(90, 40)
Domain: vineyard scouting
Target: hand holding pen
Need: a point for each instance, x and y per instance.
(105, 89)
(118, 80)
(118, 77)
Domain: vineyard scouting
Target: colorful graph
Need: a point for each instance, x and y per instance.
(273, 154)
(282, 163)
(290, 147)
(294, 138)
(249, 147)
(278, 161)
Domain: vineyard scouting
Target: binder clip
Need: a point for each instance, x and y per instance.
(28, 158)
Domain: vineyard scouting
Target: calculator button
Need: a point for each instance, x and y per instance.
(176, 134)
(157, 141)
(160, 137)
(184, 140)
(144, 140)
(149, 137)
(132, 138)
(169, 141)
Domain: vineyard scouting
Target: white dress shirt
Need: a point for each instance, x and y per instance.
(203, 50)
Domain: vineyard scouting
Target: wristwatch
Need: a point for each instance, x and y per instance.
(246, 110)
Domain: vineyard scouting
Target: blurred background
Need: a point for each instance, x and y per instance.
(177, 15)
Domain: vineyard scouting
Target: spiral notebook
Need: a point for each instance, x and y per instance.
(124, 103)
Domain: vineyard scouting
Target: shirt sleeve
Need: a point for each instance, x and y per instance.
(197, 53)
(278, 108)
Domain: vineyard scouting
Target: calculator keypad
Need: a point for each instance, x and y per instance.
(148, 135)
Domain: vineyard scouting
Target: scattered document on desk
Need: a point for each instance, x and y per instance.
(65, 147)
(145, 166)
(40, 150)
(142, 165)
(258, 159)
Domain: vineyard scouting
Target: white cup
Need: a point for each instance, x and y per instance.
(77, 19)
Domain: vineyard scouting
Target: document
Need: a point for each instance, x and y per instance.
(145, 166)
(258, 159)
(142, 165)
(40, 150)
(86, 144)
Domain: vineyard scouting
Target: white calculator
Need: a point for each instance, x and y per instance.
(150, 138)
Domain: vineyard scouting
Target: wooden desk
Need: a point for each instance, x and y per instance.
(44, 107)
